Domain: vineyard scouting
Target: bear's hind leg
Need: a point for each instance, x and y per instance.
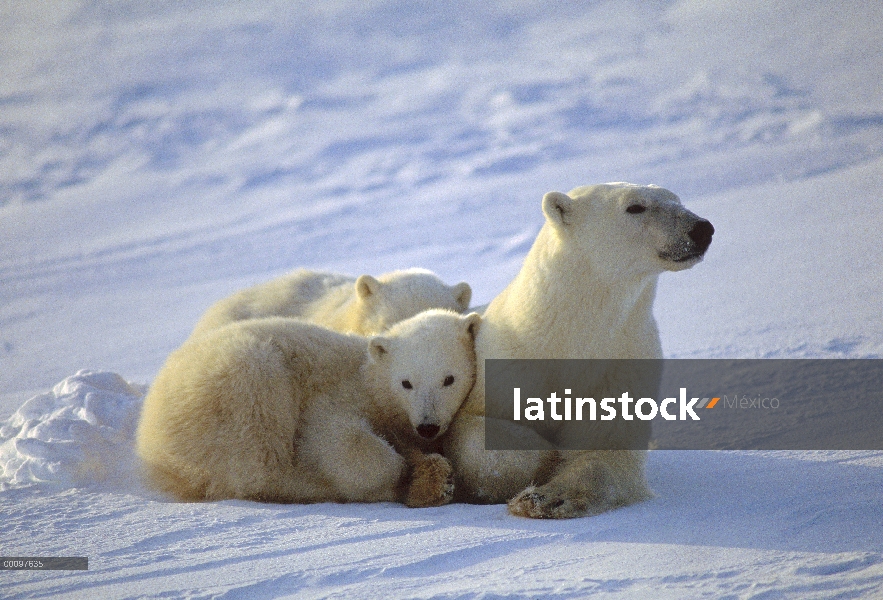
(357, 464)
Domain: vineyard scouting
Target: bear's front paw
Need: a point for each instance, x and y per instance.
(545, 503)
(432, 482)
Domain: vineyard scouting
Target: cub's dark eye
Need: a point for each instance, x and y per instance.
(406, 384)
(635, 209)
(449, 380)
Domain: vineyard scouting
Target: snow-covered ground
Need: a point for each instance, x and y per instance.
(156, 156)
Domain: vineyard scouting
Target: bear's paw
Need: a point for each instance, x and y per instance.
(432, 482)
(550, 502)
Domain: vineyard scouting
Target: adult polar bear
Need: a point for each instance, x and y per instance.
(586, 290)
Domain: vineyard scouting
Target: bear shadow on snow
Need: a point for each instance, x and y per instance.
(704, 499)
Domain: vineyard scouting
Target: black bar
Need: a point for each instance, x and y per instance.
(709, 404)
(44, 563)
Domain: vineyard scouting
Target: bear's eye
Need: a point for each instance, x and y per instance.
(449, 380)
(635, 209)
(406, 384)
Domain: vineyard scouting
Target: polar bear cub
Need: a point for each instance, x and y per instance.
(280, 410)
(363, 305)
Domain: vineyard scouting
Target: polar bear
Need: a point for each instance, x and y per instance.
(280, 410)
(363, 305)
(585, 290)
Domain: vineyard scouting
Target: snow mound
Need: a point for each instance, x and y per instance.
(79, 434)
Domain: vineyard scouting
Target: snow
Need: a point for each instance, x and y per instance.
(156, 156)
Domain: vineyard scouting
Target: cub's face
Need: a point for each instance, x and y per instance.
(399, 295)
(428, 365)
(625, 228)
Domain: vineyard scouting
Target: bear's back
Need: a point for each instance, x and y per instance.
(301, 293)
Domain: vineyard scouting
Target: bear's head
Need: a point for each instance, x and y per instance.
(383, 301)
(427, 363)
(624, 228)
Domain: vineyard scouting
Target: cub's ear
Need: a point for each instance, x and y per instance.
(463, 295)
(471, 324)
(366, 286)
(378, 347)
(558, 208)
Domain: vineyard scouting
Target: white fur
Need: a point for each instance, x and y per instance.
(362, 305)
(276, 409)
(586, 290)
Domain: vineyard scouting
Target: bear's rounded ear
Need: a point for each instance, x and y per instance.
(463, 295)
(558, 208)
(378, 347)
(366, 286)
(471, 324)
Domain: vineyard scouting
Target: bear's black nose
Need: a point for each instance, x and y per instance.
(701, 234)
(428, 431)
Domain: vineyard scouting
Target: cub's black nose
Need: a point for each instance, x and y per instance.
(428, 431)
(701, 234)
